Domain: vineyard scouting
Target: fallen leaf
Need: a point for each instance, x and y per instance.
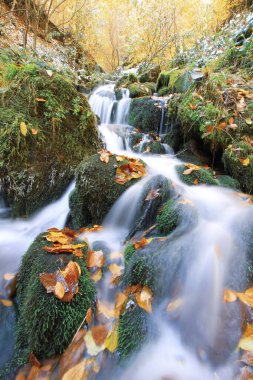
(245, 161)
(33, 360)
(34, 131)
(9, 276)
(119, 303)
(99, 334)
(193, 106)
(105, 310)
(49, 73)
(40, 100)
(6, 303)
(76, 372)
(153, 194)
(133, 169)
(196, 181)
(144, 298)
(75, 249)
(142, 243)
(175, 305)
(95, 259)
(96, 276)
(116, 255)
(191, 168)
(92, 348)
(120, 158)
(88, 317)
(63, 283)
(229, 296)
(111, 342)
(105, 155)
(23, 128)
(116, 269)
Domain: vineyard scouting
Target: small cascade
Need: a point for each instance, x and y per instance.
(123, 107)
(110, 111)
(102, 101)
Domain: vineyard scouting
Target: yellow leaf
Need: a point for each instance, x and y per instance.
(105, 310)
(97, 276)
(144, 298)
(23, 128)
(120, 158)
(34, 131)
(244, 298)
(76, 372)
(116, 255)
(92, 348)
(40, 100)
(116, 269)
(111, 342)
(246, 343)
(229, 296)
(246, 162)
(6, 303)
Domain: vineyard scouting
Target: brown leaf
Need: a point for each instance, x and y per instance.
(133, 169)
(33, 360)
(88, 317)
(99, 334)
(76, 372)
(193, 106)
(175, 304)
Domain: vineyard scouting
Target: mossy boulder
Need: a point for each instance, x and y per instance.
(145, 115)
(133, 329)
(151, 147)
(201, 176)
(46, 325)
(150, 74)
(96, 191)
(47, 128)
(173, 137)
(229, 182)
(168, 219)
(138, 90)
(235, 165)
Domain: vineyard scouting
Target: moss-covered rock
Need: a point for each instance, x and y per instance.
(133, 330)
(128, 252)
(234, 162)
(227, 181)
(168, 219)
(153, 147)
(150, 74)
(58, 130)
(173, 138)
(201, 176)
(163, 80)
(96, 191)
(46, 325)
(144, 114)
(138, 90)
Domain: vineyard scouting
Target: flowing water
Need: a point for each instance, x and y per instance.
(185, 346)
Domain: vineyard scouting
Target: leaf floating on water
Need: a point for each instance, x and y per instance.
(6, 303)
(105, 155)
(95, 259)
(63, 283)
(142, 243)
(23, 128)
(99, 334)
(76, 372)
(144, 298)
(111, 342)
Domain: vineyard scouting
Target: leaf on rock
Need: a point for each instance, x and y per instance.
(63, 283)
(88, 317)
(119, 303)
(95, 228)
(105, 310)
(105, 155)
(229, 296)
(95, 259)
(33, 360)
(23, 128)
(75, 249)
(96, 276)
(144, 298)
(190, 168)
(92, 348)
(142, 243)
(116, 269)
(133, 169)
(245, 161)
(34, 131)
(153, 194)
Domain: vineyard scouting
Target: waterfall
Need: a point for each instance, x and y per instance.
(103, 103)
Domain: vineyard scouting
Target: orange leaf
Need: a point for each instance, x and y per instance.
(196, 181)
(105, 310)
(105, 155)
(40, 100)
(99, 334)
(229, 295)
(120, 300)
(193, 106)
(95, 259)
(33, 360)
(34, 131)
(6, 303)
(88, 317)
(116, 269)
(144, 298)
(142, 243)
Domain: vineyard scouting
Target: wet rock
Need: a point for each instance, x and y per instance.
(48, 327)
(145, 114)
(96, 191)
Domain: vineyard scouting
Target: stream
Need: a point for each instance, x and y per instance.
(213, 256)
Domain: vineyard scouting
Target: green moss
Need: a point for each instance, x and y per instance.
(163, 91)
(168, 220)
(227, 181)
(154, 147)
(61, 131)
(133, 330)
(132, 78)
(234, 167)
(96, 191)
(144, 115)
(174, 138)
(163, 80)
(138, 90)
(47, 325)
(129, 251)
(203, 176)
